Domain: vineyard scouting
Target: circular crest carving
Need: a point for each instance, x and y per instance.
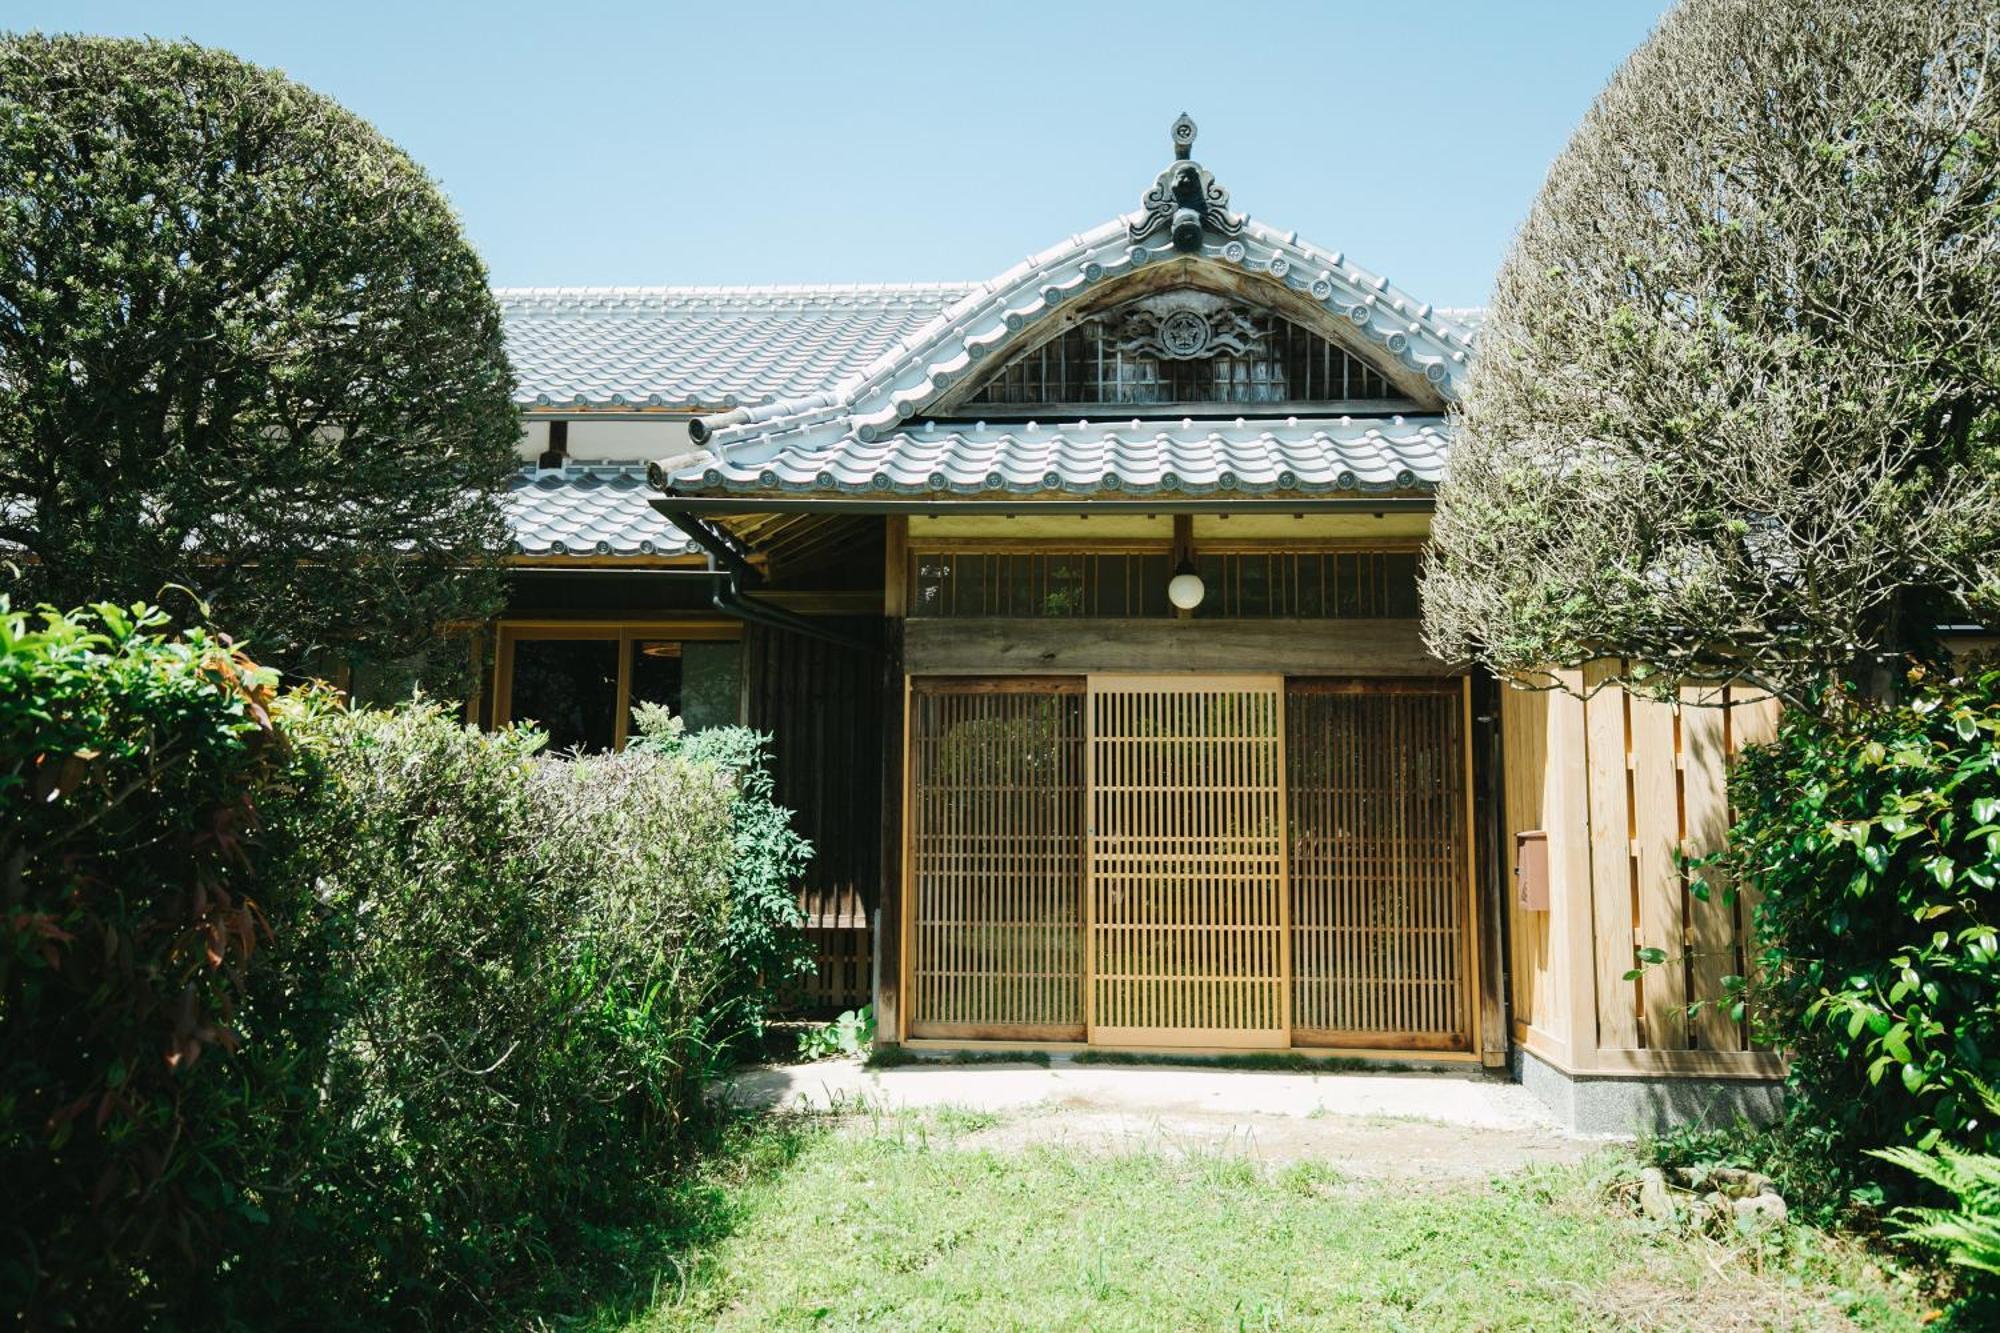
(1185, 334)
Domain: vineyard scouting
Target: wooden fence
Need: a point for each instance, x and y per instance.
(1621, 784)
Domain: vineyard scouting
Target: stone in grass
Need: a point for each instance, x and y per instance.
(1759, 1212)
(1654, 1199)
(1731, 1181)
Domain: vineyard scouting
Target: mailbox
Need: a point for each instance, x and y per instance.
(1531, 870)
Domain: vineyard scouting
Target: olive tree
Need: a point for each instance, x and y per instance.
(244, 351)
(1733, 411)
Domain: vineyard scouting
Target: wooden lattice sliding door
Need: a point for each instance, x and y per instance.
(996, 859)
(1187, 861)
(1376, 778)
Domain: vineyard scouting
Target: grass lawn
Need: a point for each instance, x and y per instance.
(906, 1222)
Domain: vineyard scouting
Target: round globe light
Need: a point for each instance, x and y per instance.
(1186, 591)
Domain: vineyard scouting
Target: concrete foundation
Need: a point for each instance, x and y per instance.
(1583, 1104)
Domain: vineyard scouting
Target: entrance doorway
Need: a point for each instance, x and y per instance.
(1187, 861)
(1214, 862)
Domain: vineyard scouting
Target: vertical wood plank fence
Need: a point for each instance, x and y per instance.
(1624, 786)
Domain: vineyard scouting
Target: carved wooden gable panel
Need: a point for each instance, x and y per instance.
(1183, 347)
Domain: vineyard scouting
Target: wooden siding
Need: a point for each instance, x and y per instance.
(842, 972)
(1622, 785)
(820, 704)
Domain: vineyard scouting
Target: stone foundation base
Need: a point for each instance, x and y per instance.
(1584, 1104)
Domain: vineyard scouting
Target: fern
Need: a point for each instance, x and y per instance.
(1970, 1234)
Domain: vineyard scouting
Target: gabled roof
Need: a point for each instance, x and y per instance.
(589, 510)
(861, 432)
(703, 348)
(1137, 457)
(920, 368)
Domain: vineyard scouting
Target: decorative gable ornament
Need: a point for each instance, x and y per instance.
(1183, 332)
(1185, 201)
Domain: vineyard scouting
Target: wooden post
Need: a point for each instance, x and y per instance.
(1609, 821)
(1567, 818)
(891, 1016)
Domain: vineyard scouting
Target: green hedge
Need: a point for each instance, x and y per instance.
(453, 1001)
(1876, 851)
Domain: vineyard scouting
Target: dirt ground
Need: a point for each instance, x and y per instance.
(1442, 1127)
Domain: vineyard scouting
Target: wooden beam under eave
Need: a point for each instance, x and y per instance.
(980, 647)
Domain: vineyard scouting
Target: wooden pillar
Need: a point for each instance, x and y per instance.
(1572, 939)
(1492, 870)
(891, 1017)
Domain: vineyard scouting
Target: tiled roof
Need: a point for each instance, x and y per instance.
(1138, 457)
(589, 510)
(703, 347)
(793, 436)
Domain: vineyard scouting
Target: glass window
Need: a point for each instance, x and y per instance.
(658, 672)
(568, 687)
(701, 682)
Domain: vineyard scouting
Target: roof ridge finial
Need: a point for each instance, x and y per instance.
(1185, 202)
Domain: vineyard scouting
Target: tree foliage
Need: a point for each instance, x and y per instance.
(244, 349)
(1734, 408)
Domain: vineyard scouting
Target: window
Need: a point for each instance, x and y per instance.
(1040, 584)
(1183, 347)
(1243, 584)
(580, 682)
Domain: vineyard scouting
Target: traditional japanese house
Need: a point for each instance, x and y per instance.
(1082, 604)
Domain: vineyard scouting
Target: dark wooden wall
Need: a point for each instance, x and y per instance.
(822, 705)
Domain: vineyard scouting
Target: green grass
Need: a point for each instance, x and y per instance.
(896, 1222)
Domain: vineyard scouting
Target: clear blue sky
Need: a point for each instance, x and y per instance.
(732, 141)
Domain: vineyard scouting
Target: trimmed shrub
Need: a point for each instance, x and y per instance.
(130, 767)
(524, 955)
(332, 1018)
(1876, 851)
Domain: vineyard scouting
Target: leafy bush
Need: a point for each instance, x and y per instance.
(130, 767)
(850, 1034)
(765, 943)
(523, 956)
(487, 987)
(1876, 850)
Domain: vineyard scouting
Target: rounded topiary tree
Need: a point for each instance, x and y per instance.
(244, 349)
(1733, 413)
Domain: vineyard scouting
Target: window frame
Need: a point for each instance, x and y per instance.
(622, 632)
(917, 548)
